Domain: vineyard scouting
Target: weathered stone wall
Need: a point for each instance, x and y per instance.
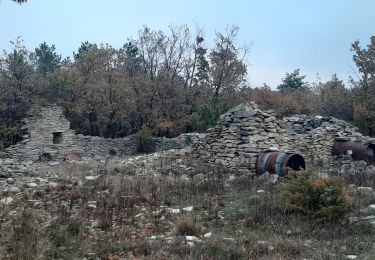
(317, 135)
(241, 134)
(235, 142)
(38, 141)
(245, 131)
(40, 144)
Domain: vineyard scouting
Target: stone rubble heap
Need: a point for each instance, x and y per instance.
(302, 124)
(235, 142)
(49, 138)
(241, 134)
(245, 131)
(318, 134)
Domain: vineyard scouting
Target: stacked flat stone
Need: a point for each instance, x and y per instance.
(235, 142)
(38, 145)
(240, 135)
(245, 131)
(38, 140)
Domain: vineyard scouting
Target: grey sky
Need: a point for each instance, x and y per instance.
(314, 36)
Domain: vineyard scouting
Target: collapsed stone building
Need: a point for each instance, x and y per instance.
(244, 132)
(48, 137)
(239, 141)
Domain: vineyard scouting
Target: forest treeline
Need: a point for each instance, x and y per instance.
(167, 83)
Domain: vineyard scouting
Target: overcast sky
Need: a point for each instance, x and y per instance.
(314, 36)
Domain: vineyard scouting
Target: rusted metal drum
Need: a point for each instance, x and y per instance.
(356, 149)
(278, 163)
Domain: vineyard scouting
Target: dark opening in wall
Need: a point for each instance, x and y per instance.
(45, 157)
(57, 137)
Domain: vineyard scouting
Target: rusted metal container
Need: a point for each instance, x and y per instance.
(356, 149)
(278, 163)
(72, 157)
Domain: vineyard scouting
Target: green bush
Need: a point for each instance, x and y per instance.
(320, 198)
(208, 115)
(144, 142)
(188, 140)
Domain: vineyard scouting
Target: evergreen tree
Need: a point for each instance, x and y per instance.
(292, 81)
(47, 59)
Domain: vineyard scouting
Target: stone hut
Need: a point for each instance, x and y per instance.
(49, 138)
(245, 131)
(48, 135)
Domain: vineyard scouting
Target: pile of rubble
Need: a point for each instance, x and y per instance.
(245, 131)
(235, 142)
(48, 137)
(302, 124)
(241, 134)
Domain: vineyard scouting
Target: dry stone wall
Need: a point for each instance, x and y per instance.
(245, 131)
(235, 142)
(49, 137)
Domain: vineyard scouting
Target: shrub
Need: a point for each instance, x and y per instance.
(187, 226)
(24, 243)
(208, 115)
(188, 140)
(144, 142)
(324, 199)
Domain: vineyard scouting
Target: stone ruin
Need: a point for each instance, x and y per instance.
(49, 138)
(245, 131)
(235, 142)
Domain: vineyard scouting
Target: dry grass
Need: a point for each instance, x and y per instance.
(127, 216)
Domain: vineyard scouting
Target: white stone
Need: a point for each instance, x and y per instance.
(31, 185)
(370, 210)
(188, 209)
(92, 178)
(351, 257)
(8, 161)
(371, 217)
(208, 235)
(273, 178)
(7, 200)
(91, 206)
(14, 190)
(174, 211)
(192, 238)
(53, 163)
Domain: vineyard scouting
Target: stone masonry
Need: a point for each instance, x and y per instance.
(245, 131)
(235, 142)
(49, 137)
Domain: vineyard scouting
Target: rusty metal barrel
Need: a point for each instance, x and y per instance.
(279, 163)
(358, 150)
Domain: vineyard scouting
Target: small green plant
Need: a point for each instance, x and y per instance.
(208, 114)
(320, 198)
(188, 140)
(144, 142)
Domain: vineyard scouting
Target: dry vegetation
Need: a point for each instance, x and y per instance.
(206, 214)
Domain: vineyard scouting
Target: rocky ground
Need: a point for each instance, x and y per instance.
(163, 206)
